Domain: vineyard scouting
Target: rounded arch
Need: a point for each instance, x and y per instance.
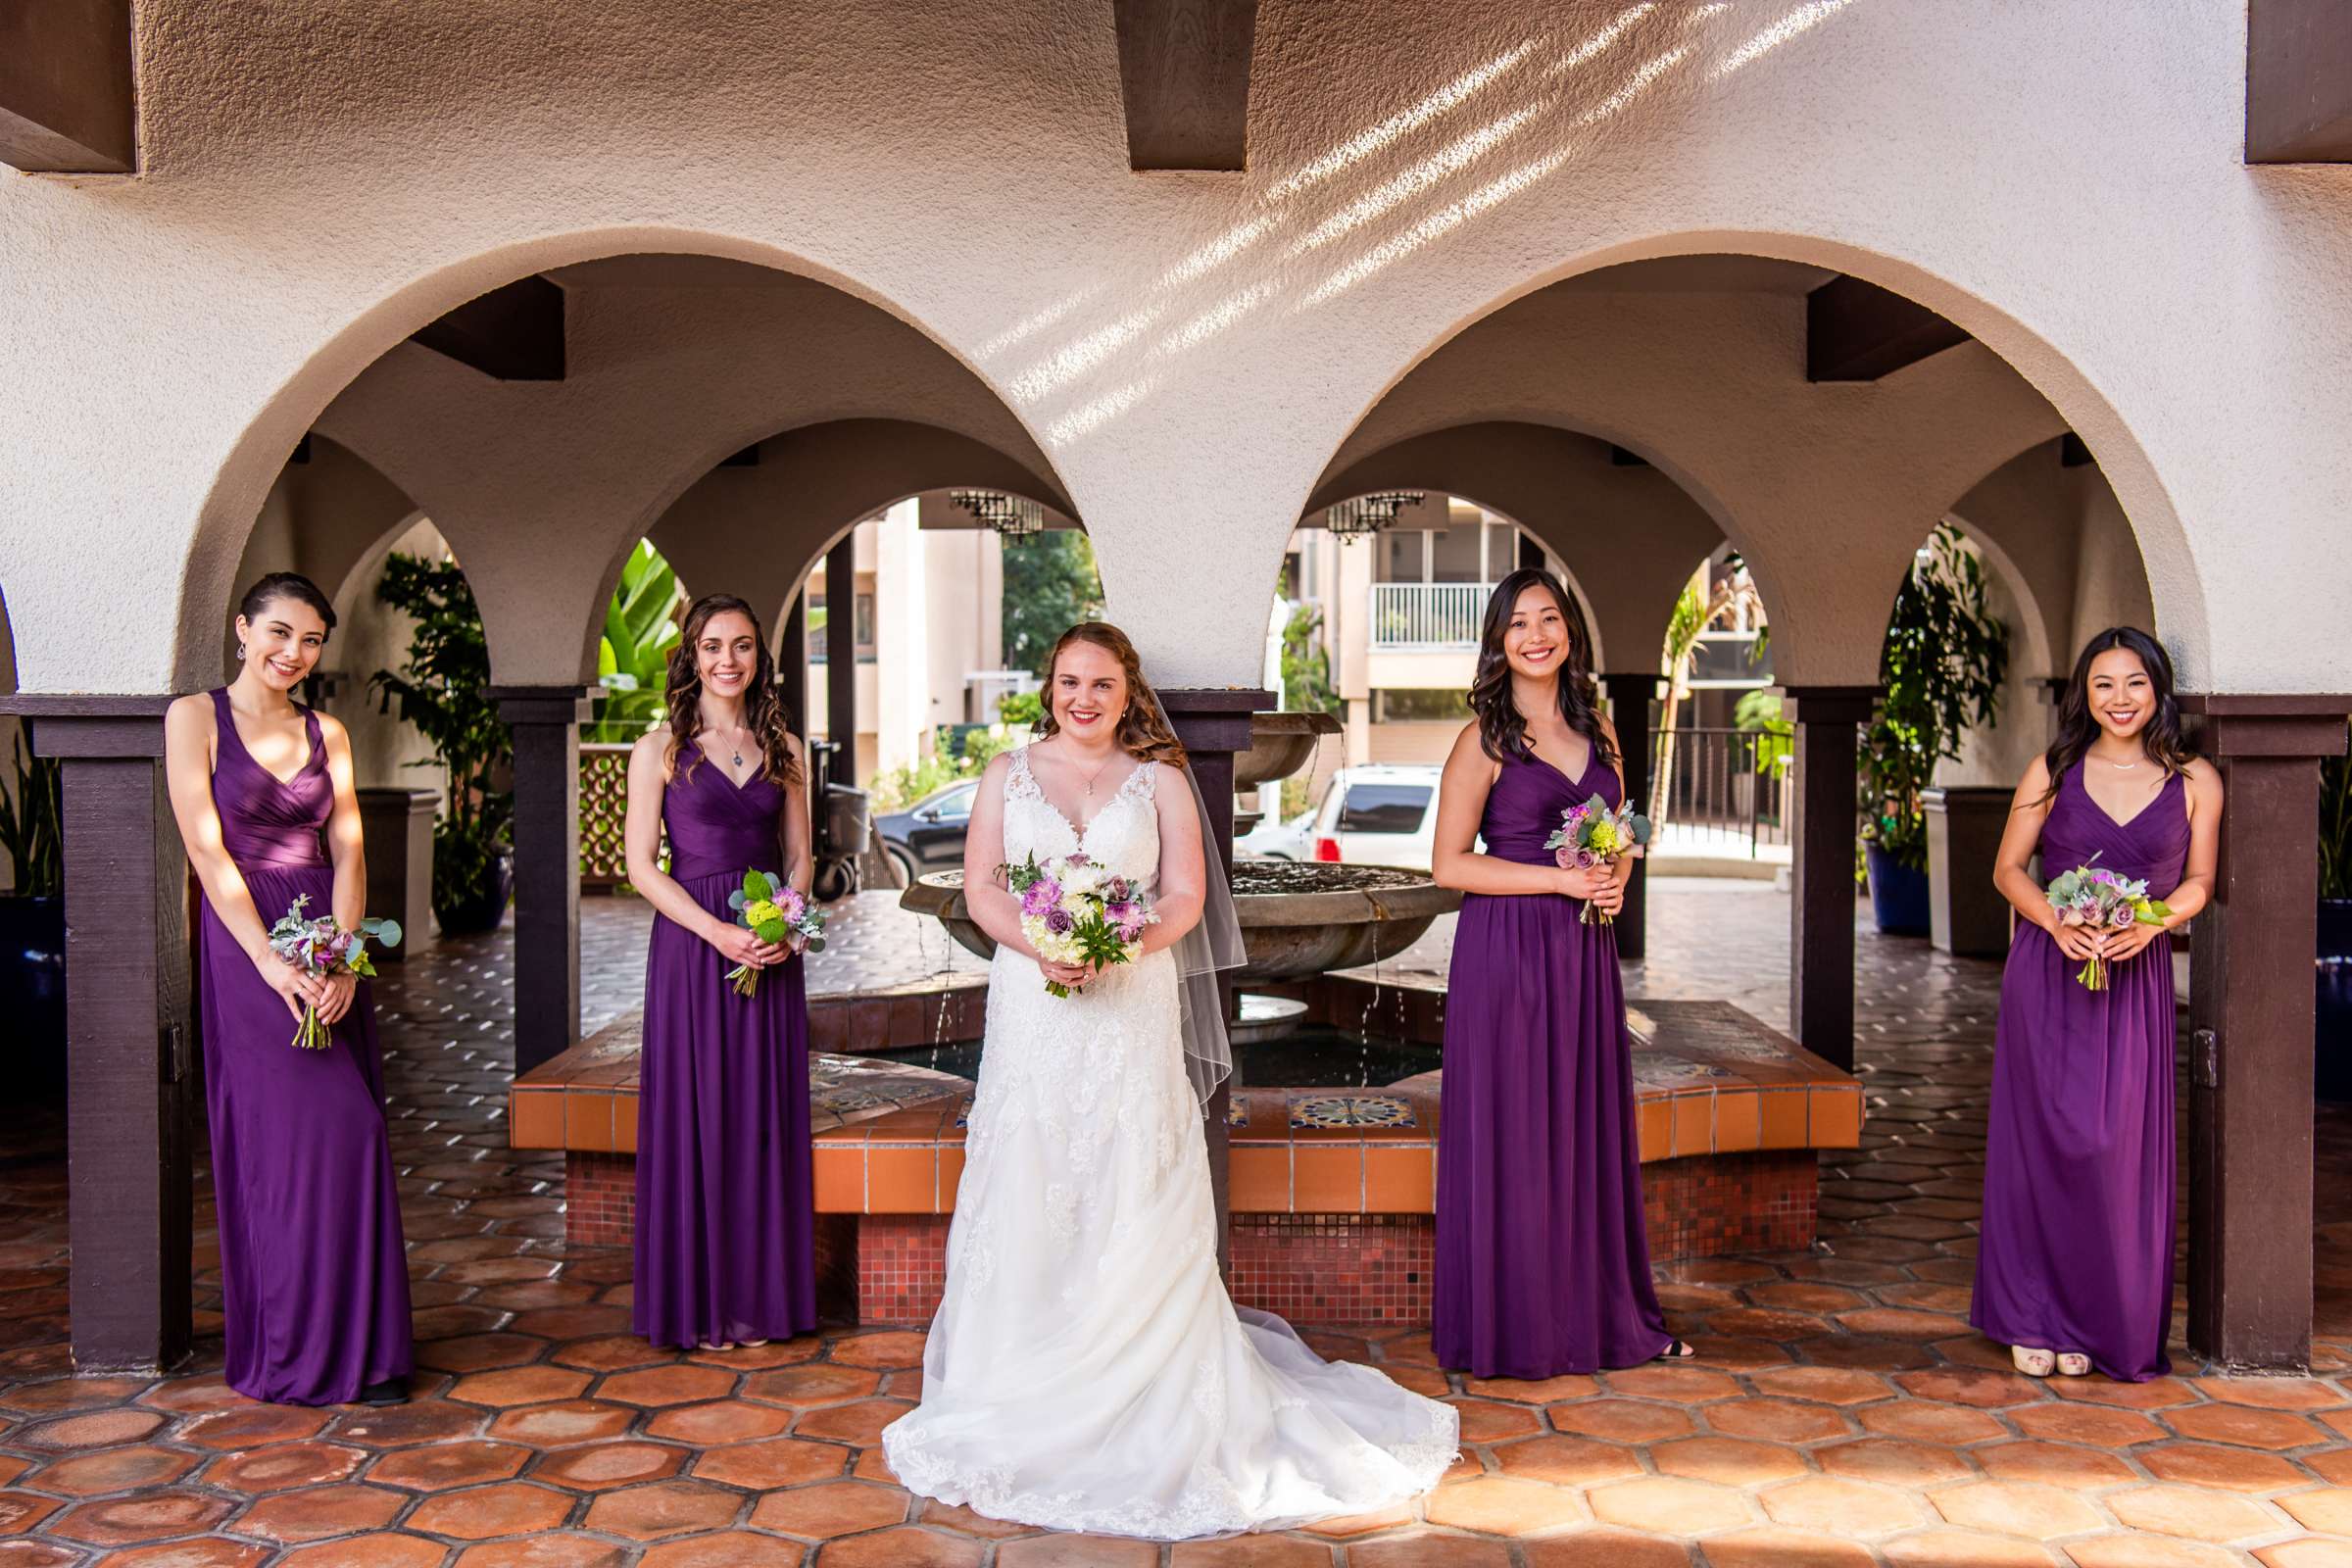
(373, 329)
(2080, 404)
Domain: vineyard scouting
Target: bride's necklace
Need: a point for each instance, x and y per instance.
(1090, 777)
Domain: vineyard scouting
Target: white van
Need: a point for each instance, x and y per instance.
(1380, 815)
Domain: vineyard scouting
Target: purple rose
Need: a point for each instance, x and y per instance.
(1130, 930)
(1059, 922)
(1585, 860)
(2122, 916)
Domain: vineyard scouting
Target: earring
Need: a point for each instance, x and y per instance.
(240, 650)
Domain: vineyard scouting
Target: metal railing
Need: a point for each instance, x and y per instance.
(1428, 616)
(1724, 789)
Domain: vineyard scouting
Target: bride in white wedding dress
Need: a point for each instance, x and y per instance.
(1087, 1370)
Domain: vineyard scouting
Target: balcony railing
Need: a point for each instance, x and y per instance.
(1725, 790)
(1428, 616)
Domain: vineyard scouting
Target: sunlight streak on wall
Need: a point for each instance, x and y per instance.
(1419, 177)
(1365, 143)
(1448, 218)
(1803, 18)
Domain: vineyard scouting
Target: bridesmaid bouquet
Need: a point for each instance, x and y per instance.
(771, 910)
(1074, 910)
(2096, 897)
(1591, 834)
(323, 948)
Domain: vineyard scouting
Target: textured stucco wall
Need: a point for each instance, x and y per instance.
(1185, 355)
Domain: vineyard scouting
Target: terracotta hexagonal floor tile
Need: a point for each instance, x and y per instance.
(2245, 1426)
(771, 1462)
(567, 1323)
(1503, 1505)
(521, 1385)
(2205, 1464)
(1777, 1420)
(1427, 1551)
(193, 1396)
(831, 1508)
(1545, 1391)
(368, 1552)
(59, 1394)
(1731, 1461)
(1846, 1508)
(719, 1421)
(889, 1349)
(2161, 1394)
(1567, 1461)
(2147, 1552)
(2198, 1513)
(556, 1426)
(1361, 1524)
(2052, 1464)
(212, 1554)
(2273, 1394)
(1892, 1461)
(1077, 1551)
(2306, 1553)
(98, 1429)
(664, 1509)
(2329, 1510)
(508, 1508)
(611, 1352)
(2062, 1422)
(811, 1383)
(20, 1512)
(1245, 1551)
(1619, 1420)
(437, 1466)
(1682, 1385)
(1665, 1507)
(681, 1384)
(2333, 1465)
(2012, 1508)
(1785, 1549)
(149, 1516)
(905, 1547)
(308, 1463)
(1492, 1420)
(554, 1549)
(1604, 1547)
(1823, 1385)
(1965, 1548)
(860, 1423)
(418, 1421)
(479, 1353)
(755, 1357)
(1950, 1425)
(90, 1475)
(253, 1425)
(1987, 1390)
(597, 1466)
(316, 1512)
(965, 1522)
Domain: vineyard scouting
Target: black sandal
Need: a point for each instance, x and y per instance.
(391, 1390)
(1676, 1351)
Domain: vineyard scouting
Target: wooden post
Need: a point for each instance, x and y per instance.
(546, 722)
(840, 656)
(1629, 697)
(2251, 1018)
(130, 1092)
(1821, 945)
(791, 664)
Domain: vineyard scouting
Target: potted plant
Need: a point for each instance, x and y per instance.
(33, 919)
(440, 691)
(1941, 669)
(2332, 1042)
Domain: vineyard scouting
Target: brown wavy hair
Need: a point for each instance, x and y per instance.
(1501, 729)
(763, 697)
(2161, 736)
(1144, 732)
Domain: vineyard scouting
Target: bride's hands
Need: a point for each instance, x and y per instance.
(1073, 975)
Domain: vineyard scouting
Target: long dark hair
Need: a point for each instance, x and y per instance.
(2078, 727)
(1142, 733)
(762, 698)
(1502, 730)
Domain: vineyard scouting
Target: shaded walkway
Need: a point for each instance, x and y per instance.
(1841, 1412)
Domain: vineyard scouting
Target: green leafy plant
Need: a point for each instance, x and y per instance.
(1022, 709)
(632, 657)
(894, 789)
(441, 691)
(1050, 585)
(1307, 688)
(2336, 827)
(1941, 668)
(1691, 617)
(32, 823)
(1758, 714)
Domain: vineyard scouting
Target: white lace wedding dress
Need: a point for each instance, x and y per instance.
(1087, 1370)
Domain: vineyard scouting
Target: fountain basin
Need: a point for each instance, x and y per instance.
(1298, 919)
(1280, 745)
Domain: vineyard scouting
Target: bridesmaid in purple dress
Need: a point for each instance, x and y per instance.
(313, 1277)
(2075, 1269)
(1543, 1254)
(725, 1199)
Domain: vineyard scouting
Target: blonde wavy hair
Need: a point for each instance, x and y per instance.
(1144, 732)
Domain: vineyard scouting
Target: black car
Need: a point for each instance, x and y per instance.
(928, 836)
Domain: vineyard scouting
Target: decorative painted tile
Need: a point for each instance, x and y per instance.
(1351, 1110)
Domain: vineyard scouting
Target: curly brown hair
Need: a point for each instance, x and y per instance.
(1144, 731)
(1501, 729)
(763, 697)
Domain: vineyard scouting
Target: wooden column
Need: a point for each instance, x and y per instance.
(840, 656)
(2250, 1054)
(1214, 722)
(1629, 697)
(130, 1091)
(546, 724)
(1821, 941)
(791, 664)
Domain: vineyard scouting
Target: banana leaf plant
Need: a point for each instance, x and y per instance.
(632, 657)
(32, 823)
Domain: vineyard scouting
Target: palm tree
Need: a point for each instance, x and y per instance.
(1733, 598)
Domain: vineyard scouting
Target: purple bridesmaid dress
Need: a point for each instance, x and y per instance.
(1543, 1253)
(2077, 1252)
(313, 1277)
(725, 1190)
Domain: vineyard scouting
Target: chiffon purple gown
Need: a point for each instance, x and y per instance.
(1543, 1254)
(2077, 1252)
(725, 1189)
(313, 1277)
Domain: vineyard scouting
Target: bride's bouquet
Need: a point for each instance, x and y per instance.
(323, 948)
(2094, 895)
(771, 910)
(1074, 910)
(1592, 835)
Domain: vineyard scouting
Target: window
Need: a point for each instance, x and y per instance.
(1414, 704)
(865, 626)
(956, 805)
(1455, 554)
(1384, 808)
(1404, 557)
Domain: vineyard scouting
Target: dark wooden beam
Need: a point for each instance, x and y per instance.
(514, 334)
(68, 102)
(1858, 331)
(1820, 950)
(1184, 75)
(545, 721)
(2298, 82)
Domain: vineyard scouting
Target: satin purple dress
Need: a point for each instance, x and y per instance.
(1543, 1253)
(726, 1223)
(2077, 1252)
(314, 1276)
